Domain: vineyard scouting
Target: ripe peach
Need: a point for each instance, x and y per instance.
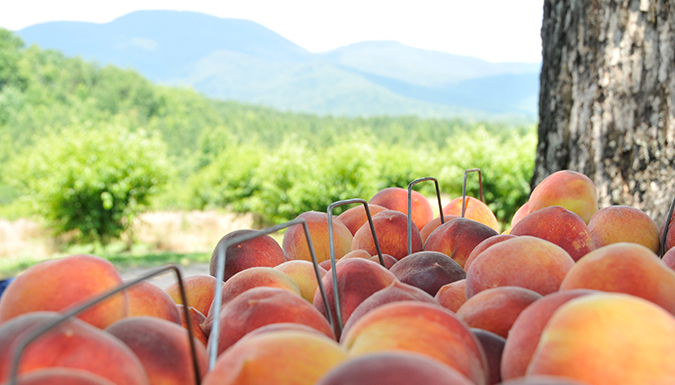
(624, 268)
(524, 261)
(163, 349)
(484, 245)
(569, 189)
(295, 243)
(602, 339)
(196, 319)
(457, 238)
(433, 224)
(56, 284)
(615, 224)
(428, 270)
(356, 217)
(396, 198)
(452, 296)
(560, 226)
(520, 213)
(302, 272)
(391, 228)
(473, 209)
(262, 251)
(493, 345)
(199, 290)
(61, 376)
(148, 299)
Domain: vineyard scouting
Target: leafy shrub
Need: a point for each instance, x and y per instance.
(91, 179)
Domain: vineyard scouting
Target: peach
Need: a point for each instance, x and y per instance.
(393, 368)
(356, 217)
(248, 279)
(452, 296)
(473, 209)
(569, 189)
(496, 309)
(61, 376)
(624, 268)
(196, 319)
(457, 238)
(389, 261)
(396, 291)
(391, 228)
(280, 358)
(524, 261)
(163, 348)
(543, 380)
(484, 245)
(433, 224)
(428, 270)
(560, 226)
(57, 284)
(603, 338)
(357, 279)
(526, 331)
(493, 345)
(396, 198)
(421, 328)
(262, 251)
(615, 224)
(263, 306)
(522, 211)
(670, 236)
(302, 272)
(148, 299)
(669, 258)
(199, 290)
(73, 344)
(295, 243)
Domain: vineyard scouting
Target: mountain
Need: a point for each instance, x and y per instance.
(244, 61)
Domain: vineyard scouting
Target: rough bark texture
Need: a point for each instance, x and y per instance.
(607, 99)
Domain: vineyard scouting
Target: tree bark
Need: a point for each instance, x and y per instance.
(607, 98)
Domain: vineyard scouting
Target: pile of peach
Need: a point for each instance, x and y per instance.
(568, 295)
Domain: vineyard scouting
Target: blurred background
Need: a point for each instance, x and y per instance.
(144, 131)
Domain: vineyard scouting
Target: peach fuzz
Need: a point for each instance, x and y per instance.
(473, 209)
(148, 299)
(569, 189)
(457, 238)
(433, 224)
(73, 344)
(420, 328)
(262, 251)
(615, 224)
(303, 273)
(279, 357)
(357, 279)
(605, 339)
(199, 290)
(396, 198)
(428, 270)
(625, 268)
(526, 331)
(560, 226)
(393, 368)
(57, 284)
(496, 309)
(356, 217)
(484, 245)
(295, 242)
(391, 228)
(452, 296)
(528, 262)
(263, 306)
(163, 348)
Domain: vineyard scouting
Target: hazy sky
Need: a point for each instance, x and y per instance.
(494, 30)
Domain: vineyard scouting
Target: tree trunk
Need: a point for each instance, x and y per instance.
(607, 99)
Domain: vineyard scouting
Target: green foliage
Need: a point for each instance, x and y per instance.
(91, 179)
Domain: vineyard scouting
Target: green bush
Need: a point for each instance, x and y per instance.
(91, 179)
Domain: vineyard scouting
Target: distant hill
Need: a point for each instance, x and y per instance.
(244, 61)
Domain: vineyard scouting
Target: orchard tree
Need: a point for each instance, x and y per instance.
(607, 98)
(90, 179)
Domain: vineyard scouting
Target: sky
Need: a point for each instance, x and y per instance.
(493, 30)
